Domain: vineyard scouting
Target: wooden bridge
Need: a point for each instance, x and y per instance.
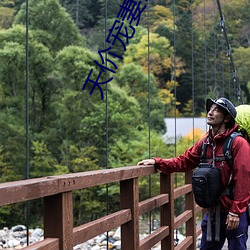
(56, 192)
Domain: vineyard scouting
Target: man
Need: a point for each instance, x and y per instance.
(221, 115)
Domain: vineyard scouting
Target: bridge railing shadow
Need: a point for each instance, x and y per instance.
(56, 192)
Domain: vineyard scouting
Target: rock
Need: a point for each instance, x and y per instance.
(117, 234)
(95, 248)
(111, 239)
(18, 228)
(3, 233)
(16, 238)
(100, 238)
(117, 244)
(38, 232)
(13, 243)
(111, 233)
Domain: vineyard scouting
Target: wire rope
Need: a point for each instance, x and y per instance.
(236, 83)
(149, 120)
(215, 52)
(205, 49)
(192, 73)
(107, 111)
(27, 207)
(174, 72)
(175, 95)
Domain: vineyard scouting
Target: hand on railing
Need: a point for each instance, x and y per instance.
(146, 162)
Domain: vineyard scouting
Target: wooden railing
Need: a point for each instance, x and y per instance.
(59, 232)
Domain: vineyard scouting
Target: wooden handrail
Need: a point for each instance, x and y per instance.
(56, 191)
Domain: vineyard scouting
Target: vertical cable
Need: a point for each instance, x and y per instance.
(149, 121)
(222, 69)
(107, 134)
(229, 84)
(174, 76)
(175, 95)
(205, 51)
(215, 51)
(192, 28)
(27, 112)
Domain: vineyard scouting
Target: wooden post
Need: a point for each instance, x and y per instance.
(129, 198)
(190, 205)
(167, 210)
(58, 219)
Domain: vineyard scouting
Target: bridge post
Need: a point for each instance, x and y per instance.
(129, 198)
(190, 205)
(58, 219)
(167, 210)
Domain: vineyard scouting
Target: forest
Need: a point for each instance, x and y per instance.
(163, 64)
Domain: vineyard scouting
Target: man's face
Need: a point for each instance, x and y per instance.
(215, 116)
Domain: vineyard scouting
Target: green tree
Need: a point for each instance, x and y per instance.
(6, 17)
(132, 78)
(53, 25)
(84, 13)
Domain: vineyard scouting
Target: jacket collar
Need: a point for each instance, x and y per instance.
(221, 136)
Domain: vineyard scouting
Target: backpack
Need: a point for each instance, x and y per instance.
(206, 179)
(243, 120)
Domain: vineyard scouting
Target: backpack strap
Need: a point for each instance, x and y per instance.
(227, 151)
(203, 152)
(227, 148)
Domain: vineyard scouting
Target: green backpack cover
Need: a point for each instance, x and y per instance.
(243, 119)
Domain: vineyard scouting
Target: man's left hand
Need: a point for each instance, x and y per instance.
(232, 222)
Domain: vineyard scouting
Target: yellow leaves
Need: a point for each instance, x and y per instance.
(172, 84)
(195, 134)
(160, 15)
(166, 96)
(162, 12)
(160, 53)
(6, 17)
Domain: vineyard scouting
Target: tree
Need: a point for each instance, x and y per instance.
(84, 13)
(132, 78)
(53, 25)
(6, 17)
(242, 65)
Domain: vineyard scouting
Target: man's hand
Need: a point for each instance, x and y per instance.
(232, 221)
(146, 162)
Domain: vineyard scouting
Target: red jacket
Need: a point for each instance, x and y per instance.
(241, 167)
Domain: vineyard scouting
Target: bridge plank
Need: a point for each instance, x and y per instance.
(90, 230)
(99, 177)
(152, 203)
(185, 189)
(182, 218)
(154, 238)
(187, 242)
(46, 244)
(24, 190)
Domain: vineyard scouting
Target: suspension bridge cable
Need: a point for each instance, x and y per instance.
(174, 71)
(215, 52)
(205, 49)
(175, 95)
(27, 207)
(149, 120)
(192, 73)
(221, 68)
(107, 111)
(229, 52)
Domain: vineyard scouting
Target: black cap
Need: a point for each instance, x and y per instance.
(223, 103)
